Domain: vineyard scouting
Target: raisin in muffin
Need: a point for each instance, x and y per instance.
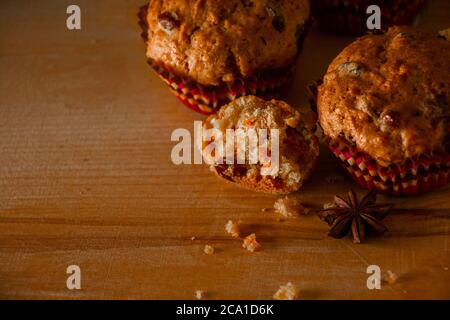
(384, 109)
(210, 52)
(349, 16)
(297, 148)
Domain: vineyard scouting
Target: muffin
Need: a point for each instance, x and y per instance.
(211, 52)
(384, 110)
(297, 146)
(350, 17)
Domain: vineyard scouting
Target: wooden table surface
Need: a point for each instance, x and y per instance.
(86, 179)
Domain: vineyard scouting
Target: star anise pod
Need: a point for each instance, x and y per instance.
(358, 217)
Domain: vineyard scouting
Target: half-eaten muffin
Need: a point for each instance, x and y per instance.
(281, 158)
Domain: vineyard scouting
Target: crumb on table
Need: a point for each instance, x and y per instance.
(232, 228)
(199, 294)
(250, 243)
(391, 277)
(445, 33)
(328, 205)
(289, 207)
(208, 249)
(287, 292)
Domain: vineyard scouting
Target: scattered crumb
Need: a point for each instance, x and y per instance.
(192, 238)
(446, 268)
(445, 34)
(199, 294)
(333, 178)
(265, 209)
(328, 205)
(391, 277)
(208, 249)
(250, 243)
(287, 292)
(289, 207)
(232, 228)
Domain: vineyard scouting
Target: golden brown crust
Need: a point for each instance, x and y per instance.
(214, 41)
(389, 95)
(298, 146)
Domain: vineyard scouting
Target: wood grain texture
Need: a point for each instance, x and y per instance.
(86, 179)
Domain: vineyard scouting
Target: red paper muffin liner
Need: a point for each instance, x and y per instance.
(425, 173)
(207, 100)
(344, 17)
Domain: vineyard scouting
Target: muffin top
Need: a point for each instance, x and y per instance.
(389, 95)
(212, 41)
(297, 148)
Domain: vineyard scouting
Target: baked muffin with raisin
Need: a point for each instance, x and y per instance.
(265, 146)
(210, 52)
(350, 16)
(384, 109)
